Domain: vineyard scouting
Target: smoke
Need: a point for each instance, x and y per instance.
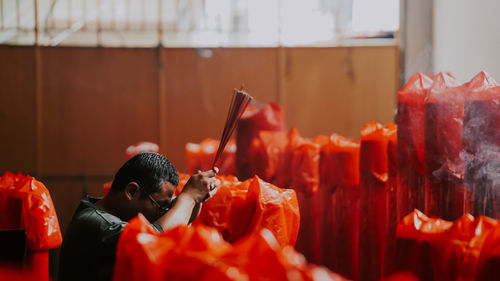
(481, 152)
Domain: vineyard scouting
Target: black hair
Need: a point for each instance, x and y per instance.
(147, 169)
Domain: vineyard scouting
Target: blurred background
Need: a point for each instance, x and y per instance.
(80, 80)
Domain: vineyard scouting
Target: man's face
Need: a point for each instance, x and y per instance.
(151, 207)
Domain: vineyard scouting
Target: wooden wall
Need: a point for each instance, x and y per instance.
(67, 114)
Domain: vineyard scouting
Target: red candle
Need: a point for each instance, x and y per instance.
(443, 145)
(339, 185)
(373, 199)
(410, 121)
(481, 143)
(270, 118)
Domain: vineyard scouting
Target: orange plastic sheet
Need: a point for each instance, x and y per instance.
(434, 249)
(37, 213)
(481, 143)
(200, 253)
(410, 121)
(239, 209)
(339, 189)
(269, 118)
(25, 203)
(373, 225)
(201, 157)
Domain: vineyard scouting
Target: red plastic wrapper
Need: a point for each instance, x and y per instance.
(200, 253)
(410, 122)
(373, 225)
(269, 118)
(38, 216)
(276, 209)
(481, 143)
(141, 147)
(339, 188)
(239, 209)
(201, 157)
(25, 203)
(226, 209)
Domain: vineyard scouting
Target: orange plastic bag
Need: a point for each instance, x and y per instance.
(263, 259)
(269, 118)
(179, 254)
(38, 215)
(220, 211)
(277, 209)
(200, 253)
(241, 208)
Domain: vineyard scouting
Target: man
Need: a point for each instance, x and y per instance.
(144, 184)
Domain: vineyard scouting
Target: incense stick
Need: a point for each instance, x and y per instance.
(239, 103)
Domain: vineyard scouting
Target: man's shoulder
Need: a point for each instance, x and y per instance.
(88, 215)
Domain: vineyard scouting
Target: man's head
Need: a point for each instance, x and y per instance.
(145, 184)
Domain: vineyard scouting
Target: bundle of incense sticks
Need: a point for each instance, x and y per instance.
(239, 103)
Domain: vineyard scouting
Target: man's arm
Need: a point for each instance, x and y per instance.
(198, 189)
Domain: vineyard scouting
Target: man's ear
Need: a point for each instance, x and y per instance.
(131, 190)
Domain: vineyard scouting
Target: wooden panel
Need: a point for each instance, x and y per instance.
(199, 90)
(17, 110)
(96, 102)
(327, 90)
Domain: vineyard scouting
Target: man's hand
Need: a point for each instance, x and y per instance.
(199, 188)
(202, 185)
